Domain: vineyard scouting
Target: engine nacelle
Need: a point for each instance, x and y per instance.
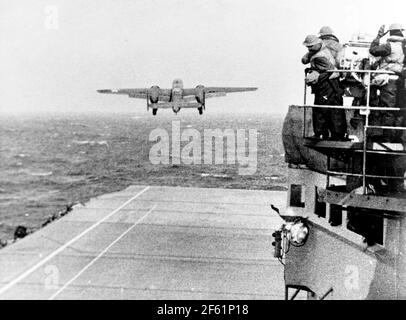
(154, 93)
(200, 95)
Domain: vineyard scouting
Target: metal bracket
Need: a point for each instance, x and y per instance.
(327, 293)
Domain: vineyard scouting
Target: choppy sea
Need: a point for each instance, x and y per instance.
(49, 162)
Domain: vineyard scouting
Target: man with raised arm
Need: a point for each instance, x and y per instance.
(391, 59)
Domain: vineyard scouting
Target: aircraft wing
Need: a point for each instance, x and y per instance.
(211, 92)
(140, 93)
(132, 93)
(227, 89)
(208, 95)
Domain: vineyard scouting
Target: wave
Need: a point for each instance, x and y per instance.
(91, 142)
(80, 124)
(40, 174)
(21, 155)
(274, 177)
(221, 176)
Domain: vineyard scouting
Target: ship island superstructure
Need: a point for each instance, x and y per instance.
(343, 239)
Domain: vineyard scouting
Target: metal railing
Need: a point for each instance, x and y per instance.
(364, 110)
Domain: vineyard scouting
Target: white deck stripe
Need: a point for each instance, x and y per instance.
(60, 249)
(100, 254)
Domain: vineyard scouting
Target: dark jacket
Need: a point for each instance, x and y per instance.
(320, 61)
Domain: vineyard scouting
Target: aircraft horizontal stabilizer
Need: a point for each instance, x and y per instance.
(169, 105)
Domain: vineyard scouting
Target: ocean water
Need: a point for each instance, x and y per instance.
(49, 162)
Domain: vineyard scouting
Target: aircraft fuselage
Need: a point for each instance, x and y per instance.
(177, 93)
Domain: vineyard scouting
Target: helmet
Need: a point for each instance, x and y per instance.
(326, 30)
(395, 26)
(311, 40)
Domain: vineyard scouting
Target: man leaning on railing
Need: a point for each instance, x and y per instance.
(327, 123)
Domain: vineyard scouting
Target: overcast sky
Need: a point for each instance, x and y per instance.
(57, 62)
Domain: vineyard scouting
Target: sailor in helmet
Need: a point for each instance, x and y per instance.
(391, 59)
(332, 43)
(327, 123)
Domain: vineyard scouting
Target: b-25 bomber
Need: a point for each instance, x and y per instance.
(177, 97)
